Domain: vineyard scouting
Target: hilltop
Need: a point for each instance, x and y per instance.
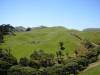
(91, 29)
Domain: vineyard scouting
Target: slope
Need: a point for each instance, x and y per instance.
(93, 36)
(47, 39)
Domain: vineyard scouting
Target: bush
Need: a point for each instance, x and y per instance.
(71, 67)
(54, 70)
(5, 55)
(4, 66)
(19, 70)
(6, 29)
(82, 63)
(28, 29)
(42, 59)
(24, 61)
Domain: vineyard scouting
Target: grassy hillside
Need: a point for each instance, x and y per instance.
(47, 39)
(93, 36)
(91, 29)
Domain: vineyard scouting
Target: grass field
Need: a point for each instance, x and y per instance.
(93, 36)
(47, 39)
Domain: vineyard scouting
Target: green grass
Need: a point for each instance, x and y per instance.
(47, 39)
(92, 71)
(93, 36)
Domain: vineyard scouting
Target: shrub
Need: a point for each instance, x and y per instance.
(24, 61)
(4, 66)
(19, 70)
(42, 59)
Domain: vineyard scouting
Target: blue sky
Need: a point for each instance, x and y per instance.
(77, 14)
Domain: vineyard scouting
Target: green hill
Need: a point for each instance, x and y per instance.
(91, 29)
(93, 36)
(47, 39)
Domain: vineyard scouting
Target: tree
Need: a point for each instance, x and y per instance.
(6, 29)
(19, 70)
(59, 53)
(5, 55)
(24, 61)
(76, 53)
(71, 67)
(55, 70)
(82, 63)
(6, 61)
(1, 38)
(87, 44)
(28, 29)
(61, 45)
(59, 56)
(4, 66)
(42, 58)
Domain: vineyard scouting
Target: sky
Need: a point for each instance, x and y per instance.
(73, 14)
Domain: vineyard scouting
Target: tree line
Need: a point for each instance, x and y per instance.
(7, 29)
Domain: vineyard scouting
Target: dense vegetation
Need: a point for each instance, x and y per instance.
(92, 71)
(58, 62)
(41, 63)
(4, 30)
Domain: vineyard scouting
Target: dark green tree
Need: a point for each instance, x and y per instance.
(28, 29)
(5, 55)
(4, 66)
(19, 70)
(61, 45)
(42, 58)
(7, 29)
(24, 61)
(60, 53)
(1, 38)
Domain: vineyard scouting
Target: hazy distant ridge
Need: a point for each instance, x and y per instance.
(92, 29)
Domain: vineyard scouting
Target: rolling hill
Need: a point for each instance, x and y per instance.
(91, 29)
(47, 39)
(24, 43)
(93, 36)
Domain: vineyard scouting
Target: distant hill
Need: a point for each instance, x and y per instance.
(92, 29)
(20, 28)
